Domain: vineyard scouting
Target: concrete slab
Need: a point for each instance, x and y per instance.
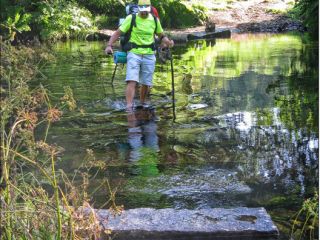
(217, 223)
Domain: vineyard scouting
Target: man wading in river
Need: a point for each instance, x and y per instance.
(141, 51)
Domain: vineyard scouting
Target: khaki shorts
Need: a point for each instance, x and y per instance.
(140, 68)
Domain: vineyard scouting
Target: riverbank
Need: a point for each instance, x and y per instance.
(242, 16)
(256, 16)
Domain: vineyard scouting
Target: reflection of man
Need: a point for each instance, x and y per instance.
(143, 141)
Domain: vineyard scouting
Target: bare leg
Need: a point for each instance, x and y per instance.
(144, 89)
(130, 91)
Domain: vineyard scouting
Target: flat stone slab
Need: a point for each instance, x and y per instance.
(216, 223)
(210, 35)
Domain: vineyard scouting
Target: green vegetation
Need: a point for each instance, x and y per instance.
(308, 12)
(61, 19)
(306, 221)
(174, 14)
(49, 20)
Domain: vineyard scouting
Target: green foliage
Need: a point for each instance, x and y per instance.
(174, 14)
(200, 11)
(56, 19)
(107, 7)
(16, 21)
(308, 12)
(51, 20)
(104, 21)
(62, 20)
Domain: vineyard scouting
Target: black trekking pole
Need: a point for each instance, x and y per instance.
(172, 86)
(114, 73)
(115, 68)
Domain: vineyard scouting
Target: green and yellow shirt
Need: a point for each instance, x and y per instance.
(143, 33)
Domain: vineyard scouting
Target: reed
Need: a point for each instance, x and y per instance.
(306, 220)
(33, 203)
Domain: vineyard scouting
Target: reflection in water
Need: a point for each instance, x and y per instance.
(143, 141)
(265, 146)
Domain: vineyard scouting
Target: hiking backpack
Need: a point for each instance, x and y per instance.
(124, 38)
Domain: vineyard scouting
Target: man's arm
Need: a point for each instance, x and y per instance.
(112, 39)
(165, 41)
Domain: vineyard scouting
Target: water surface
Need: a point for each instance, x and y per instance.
(245, 132)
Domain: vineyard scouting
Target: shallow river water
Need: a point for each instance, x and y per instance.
(245, 131)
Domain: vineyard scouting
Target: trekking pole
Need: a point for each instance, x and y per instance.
(115, 69)
(114, 73)
(172, 86)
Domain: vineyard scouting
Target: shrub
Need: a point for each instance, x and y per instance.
(174, 14)
(106, 7)
(13, 21)
(51, 20)
(308, 12)
(62, 20)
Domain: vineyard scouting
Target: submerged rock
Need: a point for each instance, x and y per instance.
(218, 181)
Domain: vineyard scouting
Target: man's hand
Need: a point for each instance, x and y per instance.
(114, 37)
(170, 43)
(167, 43)
(108, 50)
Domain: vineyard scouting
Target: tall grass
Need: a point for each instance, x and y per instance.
(306, 221)
(33, 203)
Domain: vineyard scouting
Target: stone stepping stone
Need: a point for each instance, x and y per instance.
(216, 223)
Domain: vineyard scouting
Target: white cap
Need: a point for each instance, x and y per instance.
(144, 5)
(144, 8)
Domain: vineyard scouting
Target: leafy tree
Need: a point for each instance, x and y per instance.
(308, 11)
